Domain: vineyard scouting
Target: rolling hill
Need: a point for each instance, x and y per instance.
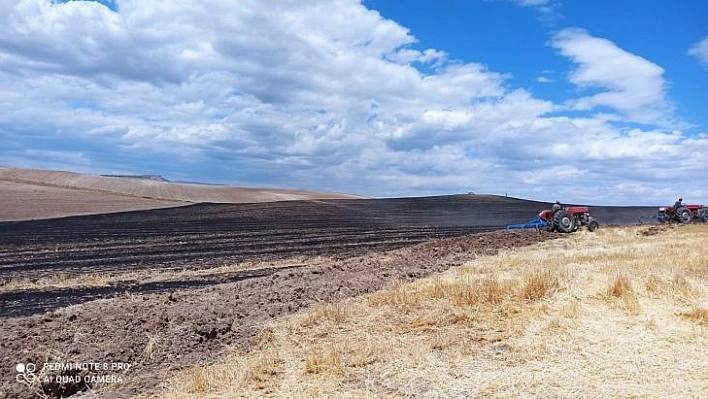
(42, 194)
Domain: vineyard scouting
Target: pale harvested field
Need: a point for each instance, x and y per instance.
(40, 194)
(27, 201)
(622, 312)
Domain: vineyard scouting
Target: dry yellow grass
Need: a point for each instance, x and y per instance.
(609, 314)
(698, 313)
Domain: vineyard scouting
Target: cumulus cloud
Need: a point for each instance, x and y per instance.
(293, 94)
(627, 83)
(700, 51)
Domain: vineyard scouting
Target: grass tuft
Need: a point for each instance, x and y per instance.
(619, 286)
(264, 368)
(473, 291)
(698, 314)
(326, 361)
(200, 380)
(678, 287)
(539, 284)
(152, 346)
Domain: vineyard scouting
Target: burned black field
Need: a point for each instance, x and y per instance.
(208, 235)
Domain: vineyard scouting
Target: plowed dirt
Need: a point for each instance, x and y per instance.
(157, 332)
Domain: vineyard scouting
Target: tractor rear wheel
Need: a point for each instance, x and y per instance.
(684, 215)
(563, 221)
(593, 225)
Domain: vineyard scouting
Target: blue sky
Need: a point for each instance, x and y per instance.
(513, 39)
(600, 102)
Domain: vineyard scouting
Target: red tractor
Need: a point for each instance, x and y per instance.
(564, 220)
(682, 214)
(568, 220)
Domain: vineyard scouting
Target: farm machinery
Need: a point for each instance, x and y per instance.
(680, 213)
(564, 220)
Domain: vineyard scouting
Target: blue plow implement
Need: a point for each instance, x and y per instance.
(537, 223)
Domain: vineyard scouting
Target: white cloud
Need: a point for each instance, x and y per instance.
(631, 85)
(531, 3)
(700, 51)
(545, 8)
(292, 94)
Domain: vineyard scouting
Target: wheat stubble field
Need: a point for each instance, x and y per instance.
(619, 313)
(27, 194)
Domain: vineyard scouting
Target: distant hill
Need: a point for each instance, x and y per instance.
(40, 194)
